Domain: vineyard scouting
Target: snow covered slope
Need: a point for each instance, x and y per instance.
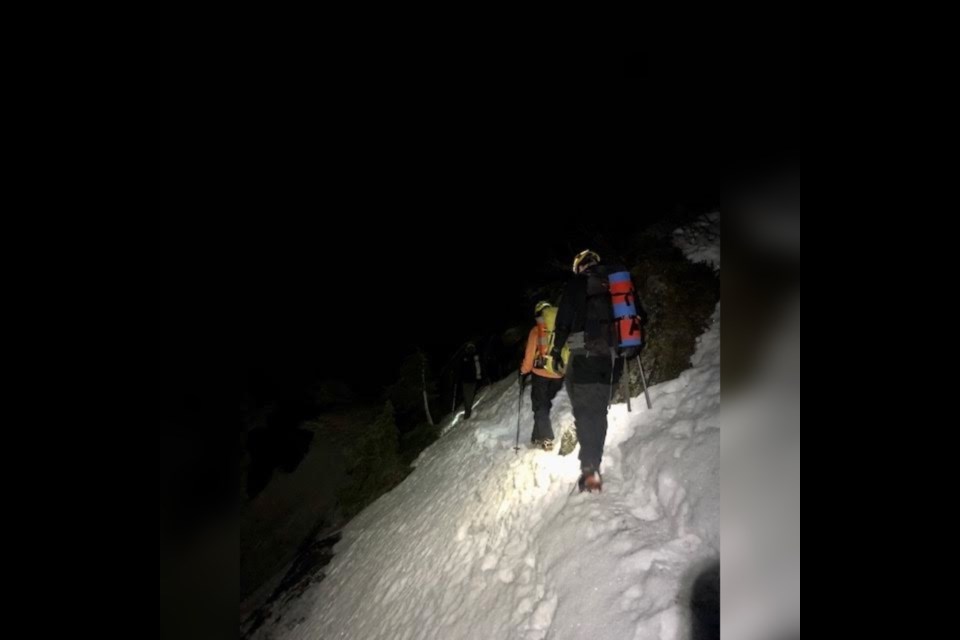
(482, 542)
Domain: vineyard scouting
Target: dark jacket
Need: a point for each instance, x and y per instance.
(585, 308)
(470, 370)
(585, 312)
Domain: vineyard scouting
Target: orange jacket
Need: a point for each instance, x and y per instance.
(531, 353)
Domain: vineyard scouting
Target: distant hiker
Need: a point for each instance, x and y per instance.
(470, 375)
(546, 381)
(586, 325)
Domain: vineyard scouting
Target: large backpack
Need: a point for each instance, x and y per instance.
(626, 315)
(546, 325)
(612, 322)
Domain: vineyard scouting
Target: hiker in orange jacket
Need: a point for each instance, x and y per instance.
(546, 383)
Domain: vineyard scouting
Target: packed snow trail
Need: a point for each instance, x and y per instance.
(483, 542)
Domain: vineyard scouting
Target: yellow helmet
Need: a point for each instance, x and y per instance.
(584, 259)
(543, 304)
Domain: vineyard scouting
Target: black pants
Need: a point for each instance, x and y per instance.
(542, 392)
(588, 385)
(469, 391)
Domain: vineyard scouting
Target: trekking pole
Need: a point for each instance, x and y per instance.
(625, 383)
(523, 380)
(613, 369)
(644, 378)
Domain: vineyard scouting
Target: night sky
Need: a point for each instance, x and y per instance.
(347, 300)
(349, 304)
(415, 212)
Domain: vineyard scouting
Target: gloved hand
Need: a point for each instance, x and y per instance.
(630, 353)
(558, 363)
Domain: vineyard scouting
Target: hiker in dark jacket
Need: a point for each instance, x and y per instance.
(585, 325)
(470, 375)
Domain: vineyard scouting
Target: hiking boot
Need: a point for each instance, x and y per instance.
(590, 480)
